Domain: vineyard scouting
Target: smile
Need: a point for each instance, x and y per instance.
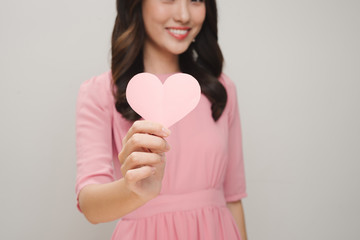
(179, 33)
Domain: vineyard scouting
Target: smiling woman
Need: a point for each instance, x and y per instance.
(121, 158)
(171, 26)
(129, 55)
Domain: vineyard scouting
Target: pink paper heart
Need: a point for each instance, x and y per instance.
(164, 103)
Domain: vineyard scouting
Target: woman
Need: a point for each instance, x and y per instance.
(193, 191)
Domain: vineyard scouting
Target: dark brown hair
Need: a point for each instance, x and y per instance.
(203, 59)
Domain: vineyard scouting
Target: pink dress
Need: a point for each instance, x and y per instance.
(204, 167)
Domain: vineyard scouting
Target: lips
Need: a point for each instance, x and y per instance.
(179, 33)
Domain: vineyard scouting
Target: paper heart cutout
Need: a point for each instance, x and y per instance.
(164, 103)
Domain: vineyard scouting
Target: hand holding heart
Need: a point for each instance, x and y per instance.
(142, 158)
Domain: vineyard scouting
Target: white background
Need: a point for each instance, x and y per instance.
(296, 65)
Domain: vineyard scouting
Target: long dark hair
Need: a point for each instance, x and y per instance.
(203, 59)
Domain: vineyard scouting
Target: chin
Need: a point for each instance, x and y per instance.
(180, 50)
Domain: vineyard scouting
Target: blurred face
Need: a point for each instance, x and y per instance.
(171, 25)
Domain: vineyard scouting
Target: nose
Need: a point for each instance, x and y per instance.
(182, 13)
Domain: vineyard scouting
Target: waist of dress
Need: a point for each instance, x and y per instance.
(179, 202)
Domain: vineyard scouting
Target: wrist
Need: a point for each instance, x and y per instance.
(135, 198)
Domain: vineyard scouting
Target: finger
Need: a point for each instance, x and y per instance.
(143, 126)
(142, 143)
(139, 159)
(134, 175)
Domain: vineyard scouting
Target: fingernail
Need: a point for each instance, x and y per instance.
(153, 170)
(166, 132)
(162, 157)
(167, 146)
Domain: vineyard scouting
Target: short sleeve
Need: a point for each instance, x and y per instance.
(234, 184)
(93, 135)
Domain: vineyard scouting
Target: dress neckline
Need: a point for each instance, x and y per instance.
(164, 76)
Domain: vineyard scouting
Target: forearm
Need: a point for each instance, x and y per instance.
(237, 211)
(107, 202)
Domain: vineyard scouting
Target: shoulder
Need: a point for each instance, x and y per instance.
(97, 90)
(227, 82)
(231, 104)
(100, 83)
(229, 86)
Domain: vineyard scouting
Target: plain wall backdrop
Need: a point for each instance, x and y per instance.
(296, 65)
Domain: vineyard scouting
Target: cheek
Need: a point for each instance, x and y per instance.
(199, 16)
(154, 12)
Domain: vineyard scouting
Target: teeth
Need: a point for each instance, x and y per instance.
(178, 31)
